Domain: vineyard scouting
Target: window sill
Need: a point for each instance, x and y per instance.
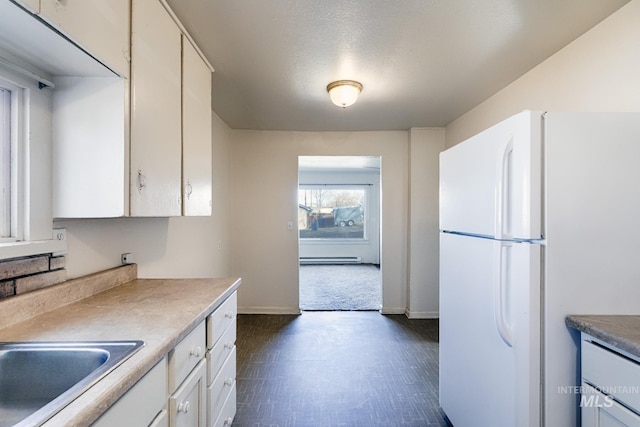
(36, 247)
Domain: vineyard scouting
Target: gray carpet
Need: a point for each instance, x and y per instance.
(340, 287)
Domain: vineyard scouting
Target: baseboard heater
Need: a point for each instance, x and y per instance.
(331, 260)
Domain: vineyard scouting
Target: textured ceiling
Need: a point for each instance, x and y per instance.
(421, 62)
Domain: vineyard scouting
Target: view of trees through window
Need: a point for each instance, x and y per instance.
(331, 213)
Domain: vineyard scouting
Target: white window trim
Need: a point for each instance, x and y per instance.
(6, 157)
(28, 176)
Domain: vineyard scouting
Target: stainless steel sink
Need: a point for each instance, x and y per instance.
(38, 379)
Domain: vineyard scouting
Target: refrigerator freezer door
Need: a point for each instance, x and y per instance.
(489, 340)
(490, 184)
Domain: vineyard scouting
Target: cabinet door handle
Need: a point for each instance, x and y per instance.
(228, 381)
(228, 421)
(188, 189)
(229, 315)
(142, 181)
(184, 407)
(196, 351)
(228, 345)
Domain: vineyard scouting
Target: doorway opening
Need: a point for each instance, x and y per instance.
(339, 232)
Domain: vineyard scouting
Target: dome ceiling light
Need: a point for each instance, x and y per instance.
(344, 92)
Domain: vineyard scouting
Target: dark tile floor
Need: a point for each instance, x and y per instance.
(337, 369)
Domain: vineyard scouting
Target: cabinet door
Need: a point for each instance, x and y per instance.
(89, 149)
(196, 133)
(101, 27)
(32, 6)
(161, 420)
(143, 403)
(599, 410)
(187, 406)
(156, 146)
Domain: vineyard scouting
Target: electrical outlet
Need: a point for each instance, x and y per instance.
(127, 258)
(290, 225)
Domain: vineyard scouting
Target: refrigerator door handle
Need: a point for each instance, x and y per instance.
(500, 291)
(502, 192)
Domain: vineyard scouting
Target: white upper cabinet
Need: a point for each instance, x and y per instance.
(136, 146)
(156, 134)
(32, 6)
(90, 146)
(196, 133)
(101, 27)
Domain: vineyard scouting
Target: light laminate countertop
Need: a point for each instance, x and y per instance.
(620, 331)
(159, 312)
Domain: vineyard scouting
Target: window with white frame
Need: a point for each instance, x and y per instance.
(25, 166)
(6, 163)
(332, 211)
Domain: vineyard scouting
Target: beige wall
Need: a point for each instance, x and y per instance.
(264, 188)
(599, 71)
(255, 177)
(163, 247)
(425, 146)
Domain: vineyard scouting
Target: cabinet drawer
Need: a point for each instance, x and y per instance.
(187, 406)
(611, 373)
(219, 353)
(221, 318)
(186, 355)
(222, 385)
(228, 413)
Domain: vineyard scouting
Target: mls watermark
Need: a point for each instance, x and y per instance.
(601, 397)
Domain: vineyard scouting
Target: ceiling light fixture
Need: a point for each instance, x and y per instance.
(344, 92)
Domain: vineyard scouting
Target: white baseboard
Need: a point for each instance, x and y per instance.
(422, 314)
(386, 310)
(268, 310)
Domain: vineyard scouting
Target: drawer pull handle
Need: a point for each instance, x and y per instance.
(228, 421)
(196, 352)
(184, 407)
(229, 315)
(228, 381)
(228, 345)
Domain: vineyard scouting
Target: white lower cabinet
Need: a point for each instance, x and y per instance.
(161, 420)
(219, 389)
(187, 405)
(601, 410)
(221, 363)
(187, 376)
(610, 381)
(228, 412)
(143, 404)
(194, 386)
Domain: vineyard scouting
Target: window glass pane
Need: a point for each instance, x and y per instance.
(5, 163)
(331, 213)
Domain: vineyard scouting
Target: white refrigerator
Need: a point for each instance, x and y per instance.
(539, 218)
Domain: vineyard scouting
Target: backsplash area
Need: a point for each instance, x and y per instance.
(22, 275)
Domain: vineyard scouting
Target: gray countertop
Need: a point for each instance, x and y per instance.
(158, 311)
(621, 331)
